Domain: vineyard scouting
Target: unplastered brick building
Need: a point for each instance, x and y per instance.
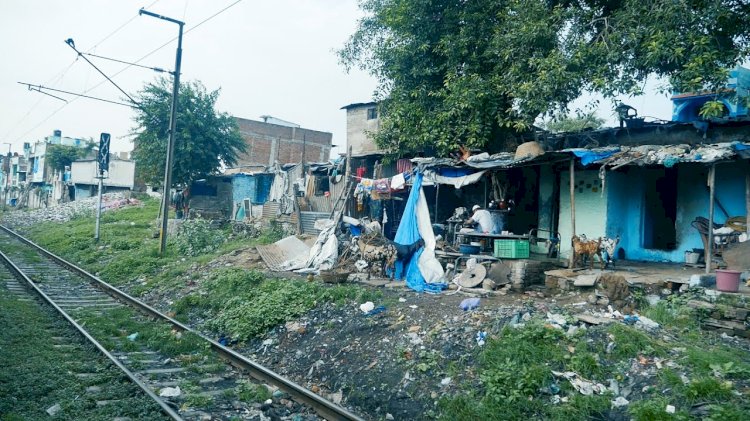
(276, 140)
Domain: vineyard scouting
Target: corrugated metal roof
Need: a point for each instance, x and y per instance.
(666, 155)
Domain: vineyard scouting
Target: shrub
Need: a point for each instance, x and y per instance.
(196, 236)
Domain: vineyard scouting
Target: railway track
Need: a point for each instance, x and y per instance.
(191, 377)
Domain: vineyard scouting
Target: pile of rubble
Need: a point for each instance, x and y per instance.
(65, 211)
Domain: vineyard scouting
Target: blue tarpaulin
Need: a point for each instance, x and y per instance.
(589, 157)
(408, 233)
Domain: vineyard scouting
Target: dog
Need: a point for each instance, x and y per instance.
(586, 249)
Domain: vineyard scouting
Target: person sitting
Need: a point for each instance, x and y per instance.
(482, 219)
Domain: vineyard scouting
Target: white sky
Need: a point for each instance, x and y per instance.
(268, 57)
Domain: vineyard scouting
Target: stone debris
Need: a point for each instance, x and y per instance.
(66, 211)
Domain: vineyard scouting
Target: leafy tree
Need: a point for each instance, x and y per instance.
(455, 72)
(205, 139)
(578, 123)
(58, 157)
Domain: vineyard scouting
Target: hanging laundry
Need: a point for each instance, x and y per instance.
(382, 185)
(398, 182)
(361, 171)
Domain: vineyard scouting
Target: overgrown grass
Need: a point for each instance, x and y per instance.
(236, 302)
(34, 375)
(516, 380)
(243, 304)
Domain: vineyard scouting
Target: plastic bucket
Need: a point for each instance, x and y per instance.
(691, 257)
(727, 280)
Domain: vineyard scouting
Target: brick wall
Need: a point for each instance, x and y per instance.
(268, 142)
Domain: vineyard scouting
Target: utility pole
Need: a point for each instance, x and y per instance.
(6, 176)
(103, 164)
(171, 140)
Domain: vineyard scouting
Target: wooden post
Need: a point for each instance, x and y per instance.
(347, 174)
(437, 193)
(572, 207)
(711, 192)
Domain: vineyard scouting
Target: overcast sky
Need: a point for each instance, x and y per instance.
(268, 57)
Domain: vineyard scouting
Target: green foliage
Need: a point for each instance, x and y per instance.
(244, 304)
(197, 236)
(475, 73)
(60, 156)
(204, 138)
(713, 109)
(588, 121)
(654, 410)
(250, 392)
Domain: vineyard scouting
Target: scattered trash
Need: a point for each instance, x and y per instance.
(469, 304)
(414, 338)
(133, 337)
(367, 307)
(556, 319)
(389, 417)
(620, 402)
(413, 306)
(646, 323)
(583, 386)
(552, 389)
(671, 409)
(54, 409)
(481, 337)
(170, 392)
(401, 299)
(268, 342)
(336, 397)
(630, 319)
(445, 382)
(376, 310)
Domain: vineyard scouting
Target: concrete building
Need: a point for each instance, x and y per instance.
(686, 106)
(276, 140)
(362, 120)
(83, 173)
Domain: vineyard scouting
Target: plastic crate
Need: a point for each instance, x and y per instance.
(512, 249)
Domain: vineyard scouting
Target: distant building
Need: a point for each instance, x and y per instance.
(276, 140)
(686, 106)
(83, 173)
(362, 120)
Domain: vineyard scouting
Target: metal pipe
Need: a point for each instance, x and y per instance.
(572, 208)
(171, 141)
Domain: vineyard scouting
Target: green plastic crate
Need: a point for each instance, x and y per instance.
(512, 249)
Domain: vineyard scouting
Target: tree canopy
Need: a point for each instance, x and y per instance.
(60, 156)
(455, 72)
(584, 121)
(204, 139)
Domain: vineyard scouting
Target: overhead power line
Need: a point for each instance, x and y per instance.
(156, 69)
(72, 45)
(38, 88)
(129, 65)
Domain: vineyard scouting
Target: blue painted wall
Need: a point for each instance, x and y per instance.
(254, 187)
(591, 207)
(626, 201)
(685, 109)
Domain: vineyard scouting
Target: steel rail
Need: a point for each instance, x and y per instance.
(20, 274)
(322, 406)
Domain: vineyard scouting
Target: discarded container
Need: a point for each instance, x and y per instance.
(469, 304)
(727, 280)
(691, 257)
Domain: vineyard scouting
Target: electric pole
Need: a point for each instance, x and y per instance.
(171, 140)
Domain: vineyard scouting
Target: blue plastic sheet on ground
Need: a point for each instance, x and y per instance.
(408, 233)
(589, 156)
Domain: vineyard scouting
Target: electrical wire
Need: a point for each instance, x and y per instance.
(128, 66)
